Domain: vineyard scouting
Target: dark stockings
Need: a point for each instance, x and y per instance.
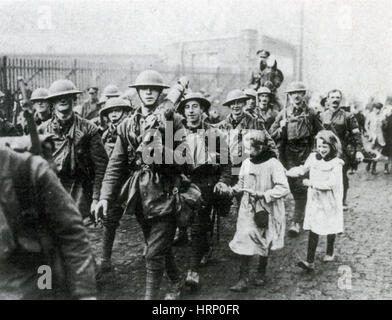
(312, 245)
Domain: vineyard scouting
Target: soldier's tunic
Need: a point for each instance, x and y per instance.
(234, 131)
(80, 158)
(296, 140)
(148, 187)
(88, 110)
(56, 210)
(343, 123)
(268, 116)
(207, 170)
(7, 129)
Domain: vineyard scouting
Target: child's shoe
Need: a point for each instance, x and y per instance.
(240, 286)
(307, 266)
(260, 280)
(328, 258)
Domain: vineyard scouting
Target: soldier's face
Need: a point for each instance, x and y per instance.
(237, 107)
(264, 100)
(64, 104)
(41, 106)
(149, 95)
(335, 98)
(93, 95)
(115, 115)
(193, 111)
(251, 104)
(297, 97)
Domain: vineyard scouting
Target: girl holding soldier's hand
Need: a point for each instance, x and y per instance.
(261, 217)
(324, 209)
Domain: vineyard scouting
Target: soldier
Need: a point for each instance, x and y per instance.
(295, 128)
(267, 110)
(115, 110)
(234, 127)
(153, 187)
(251, 103)
(41, 106)
(345, 126)
(89, 109)
(7, 128)
(40, 227)
(210, 173)
(79, 153)
(268, 74)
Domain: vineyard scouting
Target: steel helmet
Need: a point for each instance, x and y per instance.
(263, 90)
(114, 103)
(198, 96)
(234, 95)
(250, 92)
(296, 86)
(62, 87)
(149, 78)
(39, 94)
(111, 91)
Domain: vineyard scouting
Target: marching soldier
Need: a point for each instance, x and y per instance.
(267, 110)
(153, 186)
(41, 107)
(210, 172)
(40, 227)
(115, 110)
(251, 103)
(89, 109)
(295, 128)
(345, 126)
(79, 153)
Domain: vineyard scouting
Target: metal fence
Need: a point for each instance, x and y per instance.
(41, 72)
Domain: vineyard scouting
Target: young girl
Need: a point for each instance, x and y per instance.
(261, 217)
(324, 209)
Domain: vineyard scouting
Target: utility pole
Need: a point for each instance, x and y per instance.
(301, 40)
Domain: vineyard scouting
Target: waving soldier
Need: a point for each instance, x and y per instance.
(153, 185)
(79, 153)
(295, 128)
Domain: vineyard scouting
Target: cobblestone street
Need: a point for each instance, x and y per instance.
(361, 270)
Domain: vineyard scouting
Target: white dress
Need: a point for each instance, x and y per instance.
(268, 177)
(324, 207)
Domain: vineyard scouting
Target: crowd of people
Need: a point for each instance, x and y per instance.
(176, 169)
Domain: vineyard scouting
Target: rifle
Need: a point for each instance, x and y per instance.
(28, 114)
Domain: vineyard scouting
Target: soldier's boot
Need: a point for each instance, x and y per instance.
(107, 246)
(177, 280)
(153, 284)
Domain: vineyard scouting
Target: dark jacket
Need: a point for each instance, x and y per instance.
(148, 183)
(234, 131)
(7, 129)
(56, 217)
(88, 110)
(80, 158)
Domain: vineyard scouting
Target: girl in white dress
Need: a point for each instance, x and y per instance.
(324, 209)
(261, 218)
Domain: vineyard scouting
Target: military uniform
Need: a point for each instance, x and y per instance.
(343, 123)
(47, 230)
(80, 158)
(295, 142)
(234, 130)
(7, 129)
(88, 110)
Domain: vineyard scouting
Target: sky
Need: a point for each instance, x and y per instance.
(346, 42)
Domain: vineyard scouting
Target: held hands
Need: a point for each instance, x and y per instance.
(307, 183)
(221, 189)
(100, 210)
(254, 194)
(359, 156)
